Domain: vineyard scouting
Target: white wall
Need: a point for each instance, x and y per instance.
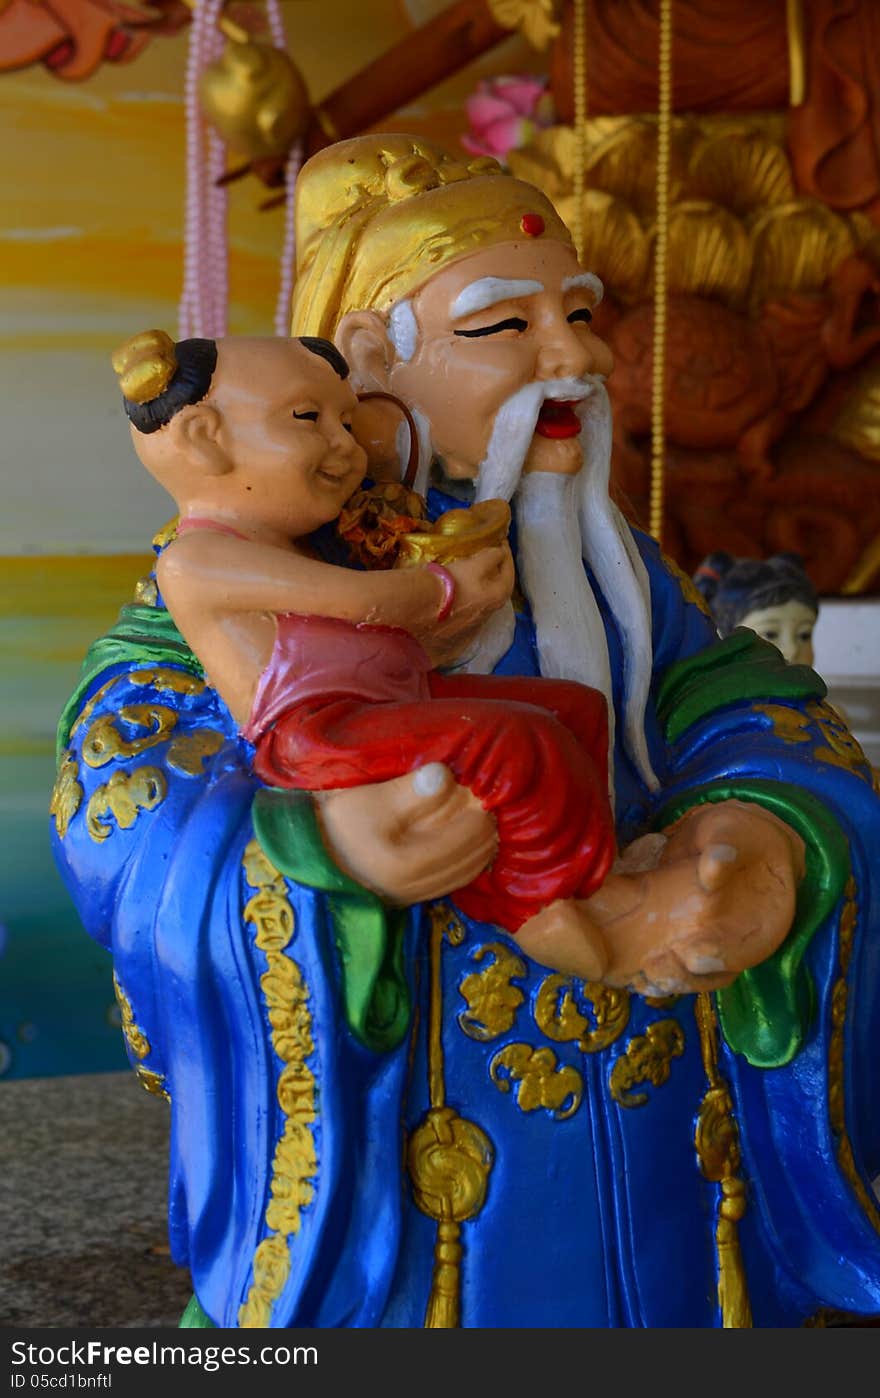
(847, 643)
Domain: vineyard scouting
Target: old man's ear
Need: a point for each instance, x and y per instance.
(362, 337)
(196, 435)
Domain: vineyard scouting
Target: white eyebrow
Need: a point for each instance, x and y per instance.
(587, 279)
(488, 291)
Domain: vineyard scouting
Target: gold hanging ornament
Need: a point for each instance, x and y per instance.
(661, 255)
(256, 98)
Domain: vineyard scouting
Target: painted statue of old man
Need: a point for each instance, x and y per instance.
(383, 1112)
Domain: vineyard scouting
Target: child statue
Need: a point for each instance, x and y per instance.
(328, 671)
(774, 598)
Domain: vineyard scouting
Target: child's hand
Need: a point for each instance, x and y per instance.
(483, 583)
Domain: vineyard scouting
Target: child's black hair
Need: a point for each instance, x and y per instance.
(196, 362)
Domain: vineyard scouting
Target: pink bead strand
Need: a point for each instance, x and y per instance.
(294, 162)
(288, 246)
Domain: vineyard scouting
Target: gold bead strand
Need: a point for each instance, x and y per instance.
(661, 245)
(579, 81)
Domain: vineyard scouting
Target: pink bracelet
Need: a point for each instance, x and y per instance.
(448, 582)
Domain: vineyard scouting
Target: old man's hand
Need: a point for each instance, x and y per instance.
(722, 899)
(411, 839)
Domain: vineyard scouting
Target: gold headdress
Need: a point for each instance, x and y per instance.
(377, 215)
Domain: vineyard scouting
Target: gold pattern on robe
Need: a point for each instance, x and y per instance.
(717, 1145)
(689, 590)
(541, 1082)
(146, 593)
(647, 1058)
(295, 1163)
(138, 1045)
(122, 798)
(839, 749)
(188, 751)
(135, 1038)
(158, 677)
(67, 794)
(557, 1015)
(104, 742)
(789, 724)
(151, 1082)
(492, 999)
(89, 708)
(836, 1056)
(842, 749)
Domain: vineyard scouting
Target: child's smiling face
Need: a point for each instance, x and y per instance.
(285, 426)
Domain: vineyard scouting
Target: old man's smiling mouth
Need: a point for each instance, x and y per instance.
(558, 419)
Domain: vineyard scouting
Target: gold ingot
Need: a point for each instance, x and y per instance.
(457, 534)
(256, 98)
(742, 170)
(795, 248)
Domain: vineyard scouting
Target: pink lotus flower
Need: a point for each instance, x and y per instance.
(505, 113)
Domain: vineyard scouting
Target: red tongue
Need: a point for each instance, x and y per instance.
(557, 419)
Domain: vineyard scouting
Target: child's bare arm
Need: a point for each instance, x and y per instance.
(217, 574)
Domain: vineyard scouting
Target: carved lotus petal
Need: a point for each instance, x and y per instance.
(795, 248)
(547, 161)
(616, 246)
(709, 252)
(624, 163)
(743, 171)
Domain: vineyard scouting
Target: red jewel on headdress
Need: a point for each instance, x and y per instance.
(532, 224)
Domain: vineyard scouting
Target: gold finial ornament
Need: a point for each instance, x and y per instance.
(536, 20)
(256, 98)
(145, 365)
(377, 216)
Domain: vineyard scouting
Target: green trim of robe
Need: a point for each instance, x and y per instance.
(766, 1013)
(369, 936)
(142, 635)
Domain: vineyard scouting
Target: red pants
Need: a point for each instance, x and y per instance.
(534, 752)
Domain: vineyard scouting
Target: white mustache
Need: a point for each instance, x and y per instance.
(572, 390)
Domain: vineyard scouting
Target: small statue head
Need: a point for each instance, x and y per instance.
(256, 431)
(774, 598)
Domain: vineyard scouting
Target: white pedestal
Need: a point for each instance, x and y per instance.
(847, 644)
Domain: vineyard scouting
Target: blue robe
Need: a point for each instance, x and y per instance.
(290, 1199)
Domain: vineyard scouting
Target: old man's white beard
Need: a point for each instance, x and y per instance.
(562, 520)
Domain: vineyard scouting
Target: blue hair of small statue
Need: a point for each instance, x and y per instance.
(733, 587)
